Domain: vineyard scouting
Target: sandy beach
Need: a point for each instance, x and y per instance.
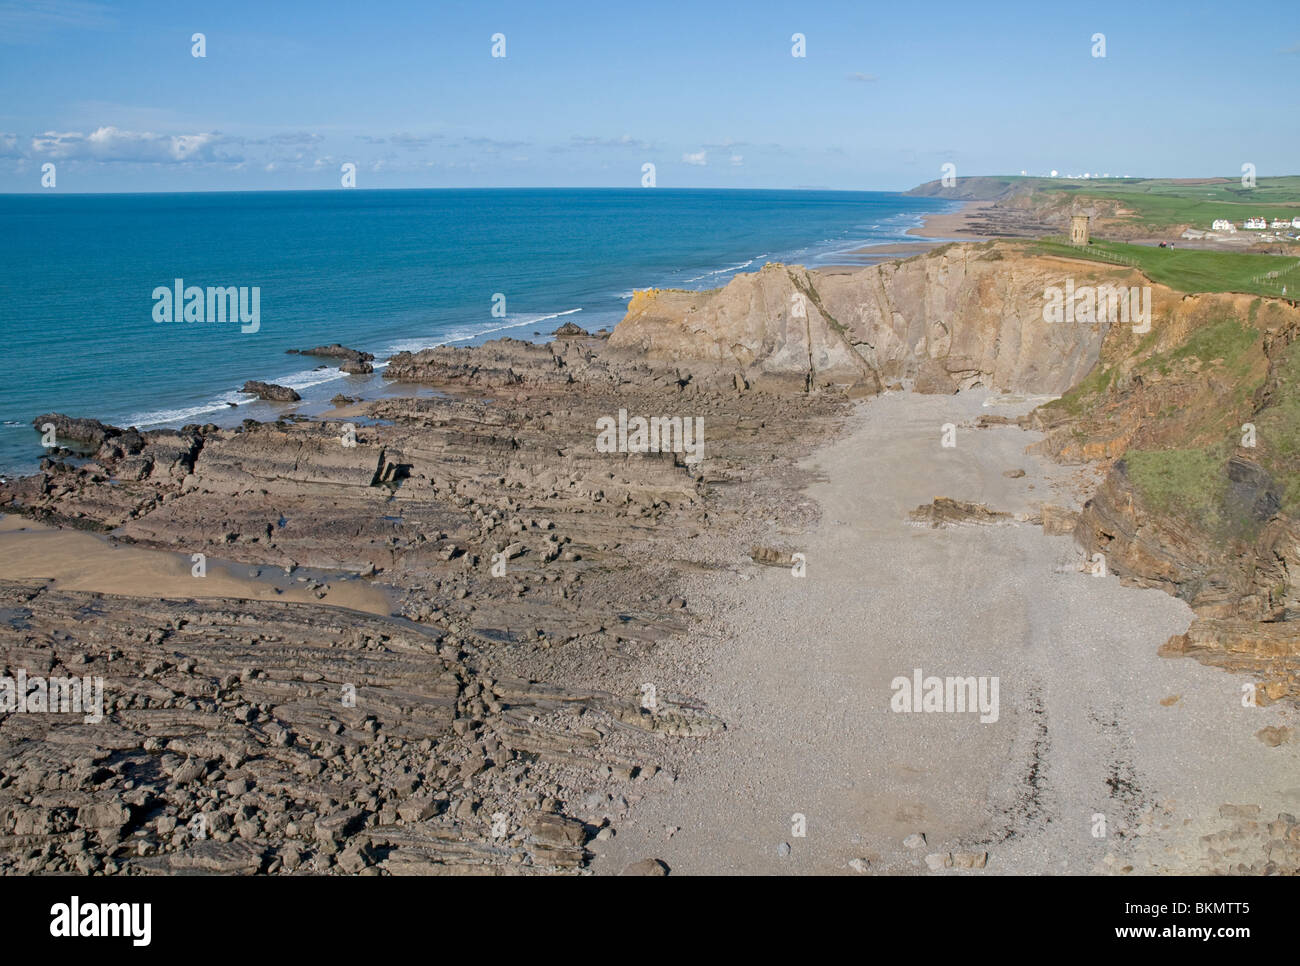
(1092, 722)
(935, 230)
(955, 225)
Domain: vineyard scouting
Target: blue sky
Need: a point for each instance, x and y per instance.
(588, 92)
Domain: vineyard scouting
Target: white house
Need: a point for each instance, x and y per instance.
(1224, 225)
(1295, 222)
(1256, 223)
(1280, 223)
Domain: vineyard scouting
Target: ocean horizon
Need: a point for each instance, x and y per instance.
(381, 271)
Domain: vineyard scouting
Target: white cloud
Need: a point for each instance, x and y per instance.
(700, 158)
(863, 78)
(112, 144)
(737, 160)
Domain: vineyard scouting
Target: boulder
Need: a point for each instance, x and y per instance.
(85, 432)
(270, 391)
(570, 331)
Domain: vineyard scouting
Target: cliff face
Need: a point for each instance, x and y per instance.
(1198, 415)
(1203, 497)
(951, 319)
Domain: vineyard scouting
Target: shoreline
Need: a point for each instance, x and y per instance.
(936, 229)
(538, 590)
(318, 384)
(956, 225)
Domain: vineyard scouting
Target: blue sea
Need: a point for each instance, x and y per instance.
(379, 271)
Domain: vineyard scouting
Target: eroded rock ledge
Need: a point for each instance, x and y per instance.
(498, 722)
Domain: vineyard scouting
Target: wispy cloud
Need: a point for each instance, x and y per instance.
(493, 144)
(413, 141)
(26, 21)
(699, 158)
(297, 138)
(623, 141)
(863, 78)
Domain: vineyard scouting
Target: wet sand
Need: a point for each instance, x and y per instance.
(955, 225)
(77, 560)
(934, 231)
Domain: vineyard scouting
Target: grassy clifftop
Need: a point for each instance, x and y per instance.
(1145, 203)
(1192, 270)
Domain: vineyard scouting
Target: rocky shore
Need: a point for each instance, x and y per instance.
(536, 679)
(497, 721)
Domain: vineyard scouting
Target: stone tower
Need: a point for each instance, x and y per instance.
(1079, 229)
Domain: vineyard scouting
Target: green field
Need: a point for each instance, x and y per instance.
(1191, 270)
(1155, 203)
(1163, 203)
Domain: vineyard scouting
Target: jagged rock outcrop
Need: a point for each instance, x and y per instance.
(334, 351)
(354, 360)
(238, 737)
(270, 391)
(498, 724)
(84, 432)
(945, 512)
(951, 319)
(571, 330)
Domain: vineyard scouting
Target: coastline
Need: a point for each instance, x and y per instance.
(936, 229)
(435, 294)
(959, 225)
(503, 596)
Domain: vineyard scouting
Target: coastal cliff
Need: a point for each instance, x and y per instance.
(956, 318)
(521, 586)
(1194, 419)
(1202, 498)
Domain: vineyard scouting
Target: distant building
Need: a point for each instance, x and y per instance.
(1224, 225)
(1295, 222)
(1256, 223)
(1079, 229)
(1280, 223)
